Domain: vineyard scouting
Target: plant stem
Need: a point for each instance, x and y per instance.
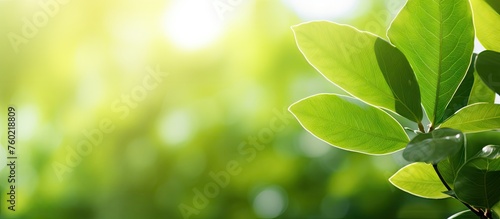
(435, 166)
(478, 212)
(421, 127)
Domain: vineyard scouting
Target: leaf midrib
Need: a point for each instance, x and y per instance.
(436, 100)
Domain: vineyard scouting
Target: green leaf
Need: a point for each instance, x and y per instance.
(475, 118)
(491, 152)
(437, 38)
(480, 92)
(486, 20)
(478, 181)
(450, 166)
(419, 179)
(362, 64)
(474, 144)
(467, 214)
(350, 124)
(494, 211)
(461, 97)
(488, 67)
(434, 146)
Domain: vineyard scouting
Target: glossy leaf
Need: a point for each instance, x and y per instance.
(362, 64)
(419, 179)
(475, 118)
(434, 146)
(478, 181)
(486, 20)
(350, 124)
(488, 67)
(475, 143)
(491, 152)
(437, 38)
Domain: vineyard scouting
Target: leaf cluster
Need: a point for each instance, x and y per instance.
(425, 68)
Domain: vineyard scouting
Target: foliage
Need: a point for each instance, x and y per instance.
(432, 65)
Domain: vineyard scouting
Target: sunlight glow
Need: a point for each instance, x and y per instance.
(191, 24)
(270, 202)
(176, 128)
(323, 9)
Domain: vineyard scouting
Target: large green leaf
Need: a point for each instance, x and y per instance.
(461, 97)
(475, 118)
(434, 146)
(486, 21)
(350, 124)
(488, 67)
(419, 179)
(478, 180)
(437, 37)
(362, 64)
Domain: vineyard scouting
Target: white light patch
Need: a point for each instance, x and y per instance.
(28, 122)
(192, 24)
(311, 146)
(478, 47)
(270, 202)
(323, 9)
(176, 128)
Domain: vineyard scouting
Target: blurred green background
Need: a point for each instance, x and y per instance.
(195, 94)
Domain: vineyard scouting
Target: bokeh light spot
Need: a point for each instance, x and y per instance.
(323, 9)
(311, 146)
(176, 128)
(191, 24)
(270, 202)
(28, 121)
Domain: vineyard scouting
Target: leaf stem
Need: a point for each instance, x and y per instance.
(431, 128)
(421, 127)
(480, 213)
(441, 177)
